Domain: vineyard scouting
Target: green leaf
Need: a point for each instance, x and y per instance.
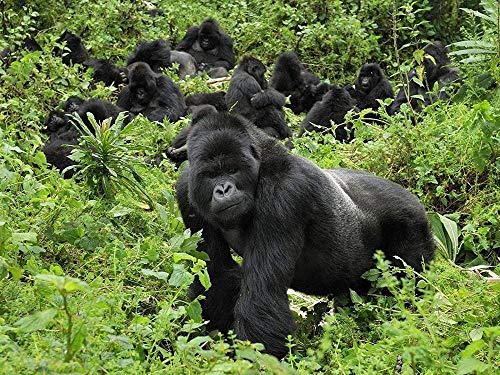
(355, 297)
(18, 237)
(35, 321)
(470, 365)
(204, 279)
(159, 275)
(180, 277)
(476, 334)
(71, 284)
(78, 338)
(194, 311)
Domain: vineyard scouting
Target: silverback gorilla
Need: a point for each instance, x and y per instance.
(211, 48)
(295, 226)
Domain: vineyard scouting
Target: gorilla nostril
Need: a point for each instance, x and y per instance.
(228, 188)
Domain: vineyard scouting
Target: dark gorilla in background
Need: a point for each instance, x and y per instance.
(295, 226)
(151, 94)
(291, 78)
(29, 44)
(77, 53)
(249, 96)
(156, 54)
(63, 131)
(104, 70)
(333, 107)
(435, 72)
(216, 99)
(210, 46)
(369, 86)
(177, 152)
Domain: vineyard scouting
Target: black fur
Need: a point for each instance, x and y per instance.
(210, 46)
(151, 94)
(371, 85)
(295, 226)
(333, 107)
(177, 152)
(77, 53)
(105, 71)
(291, 78)
(63, 130)
(434, 72)
(249, 96)
(156, 54)
(213, 98)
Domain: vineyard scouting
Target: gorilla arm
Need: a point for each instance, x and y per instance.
(189, 39)
(262, 312)
(268, 97)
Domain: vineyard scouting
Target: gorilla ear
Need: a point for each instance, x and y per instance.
(255, 152)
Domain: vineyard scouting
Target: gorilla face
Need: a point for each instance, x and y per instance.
(256, 69)
(224, 170)
(209, 37)
(369, 76)
(142, 83)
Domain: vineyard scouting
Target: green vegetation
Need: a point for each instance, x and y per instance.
(94, 271)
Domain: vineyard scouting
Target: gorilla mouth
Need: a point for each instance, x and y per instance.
(229, 206)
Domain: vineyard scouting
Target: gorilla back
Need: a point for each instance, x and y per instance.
(294, 224)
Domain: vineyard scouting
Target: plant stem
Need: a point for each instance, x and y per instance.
(68, 355)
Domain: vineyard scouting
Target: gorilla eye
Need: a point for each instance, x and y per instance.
(232, 170)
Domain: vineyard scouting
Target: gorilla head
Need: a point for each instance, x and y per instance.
(77, 54)
(435, 57)
(256, 69)
(156, 54)
(209, 36)
(142, 83)
(222, 187)
(369, 76)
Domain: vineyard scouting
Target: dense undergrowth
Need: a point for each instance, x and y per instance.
(98, 284)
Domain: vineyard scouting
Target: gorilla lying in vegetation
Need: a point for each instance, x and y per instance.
(291, 78)
(104, 70)
(151, 94)
(249, 96)
(64, 132)
(211, 48)
(216, 99)
(295, 226)
(369, 86)
(436, 72)
(333, 107)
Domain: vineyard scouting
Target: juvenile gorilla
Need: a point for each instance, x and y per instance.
(211, 48)
(369, 86)
(295, 226)
(333, 107)
(435, 72)
(249, 96)
(151, 94)
(291, 78)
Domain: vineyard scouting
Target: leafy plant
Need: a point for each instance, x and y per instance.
(105, 160)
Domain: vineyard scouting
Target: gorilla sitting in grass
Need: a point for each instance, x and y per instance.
(295, 226)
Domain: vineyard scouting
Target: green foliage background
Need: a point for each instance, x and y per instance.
(90, 284)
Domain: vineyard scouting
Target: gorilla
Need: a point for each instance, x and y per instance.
(104, 70)
(177, 152)
(99, 108)
(291, 78)
(151, 94)
(156, 54)
(77, 53)
(333, 107)
(64, 133)
(29, 44)
(295, 226)
(187, 63)
(210, 46)
(216, 99)
(369, 86)
(436, 71)
(249, 96)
